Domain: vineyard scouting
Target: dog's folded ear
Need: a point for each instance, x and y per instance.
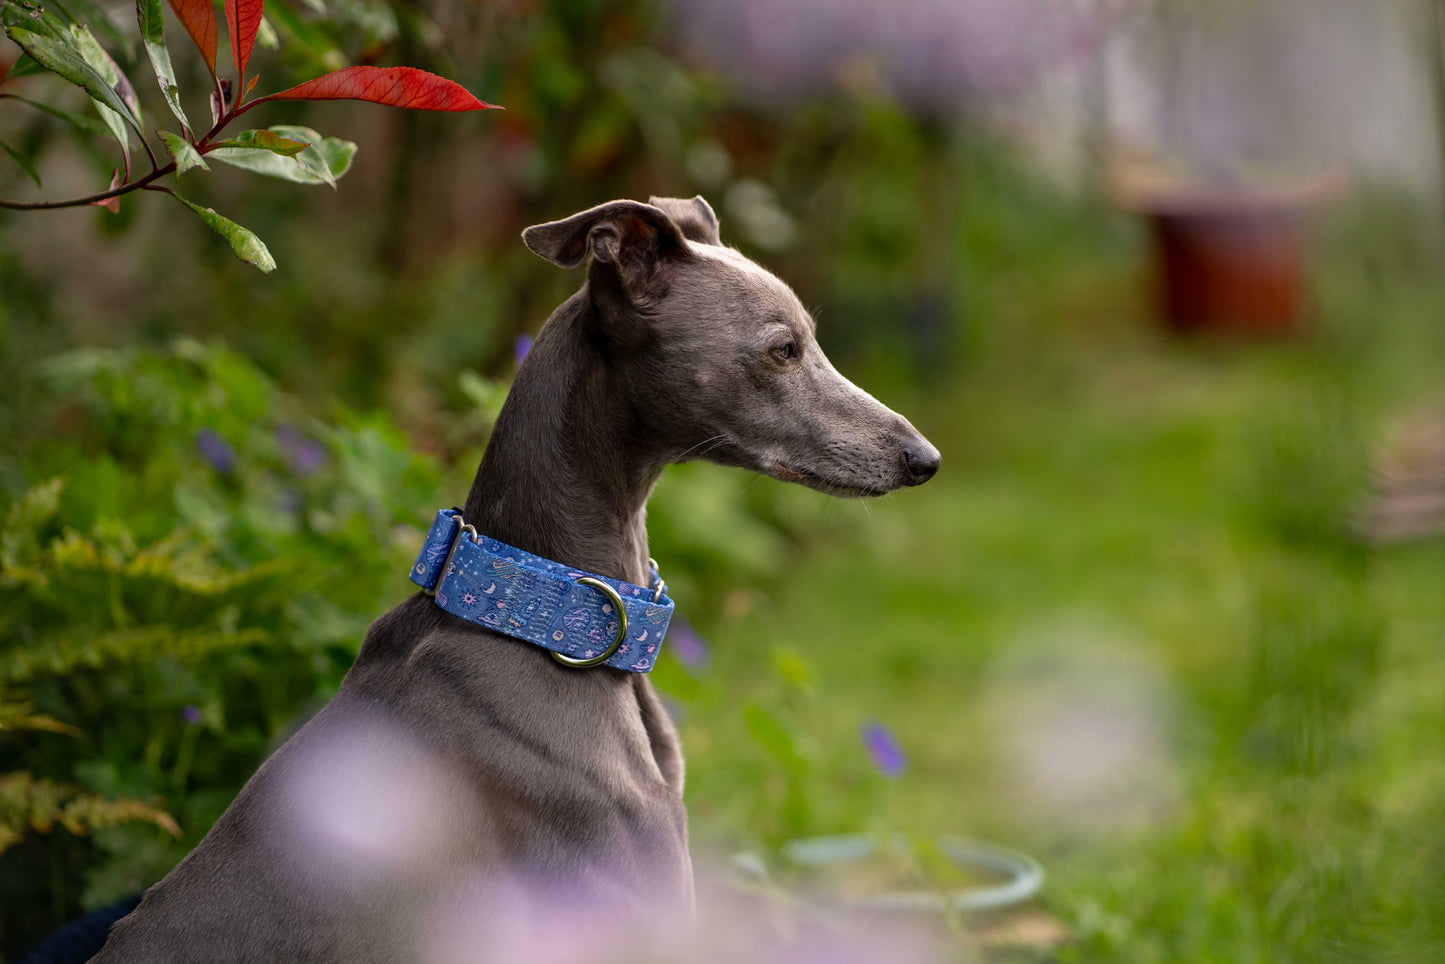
(615, 232)
(629, 241)
(693, 215)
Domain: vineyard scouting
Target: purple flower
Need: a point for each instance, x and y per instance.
(884, 752)
(687, 645)
(303, 455)
(191, 714)
(216, 451)
(521, 346)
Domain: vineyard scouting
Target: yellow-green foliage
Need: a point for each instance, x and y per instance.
(36, 568)
(27, 803)
(183, 570)
(22, 716)
(56, 656)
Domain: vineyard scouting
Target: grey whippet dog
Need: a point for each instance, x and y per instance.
(453, 758)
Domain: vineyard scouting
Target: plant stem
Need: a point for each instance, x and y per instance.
(76, 202)
(202, 146)
(149, 153)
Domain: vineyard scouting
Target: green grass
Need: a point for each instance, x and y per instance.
(1127, 629)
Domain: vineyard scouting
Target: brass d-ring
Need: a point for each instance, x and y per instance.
(616, 601)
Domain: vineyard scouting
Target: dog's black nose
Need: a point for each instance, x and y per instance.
(921, 461)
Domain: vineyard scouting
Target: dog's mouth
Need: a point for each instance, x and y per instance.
(831, 485)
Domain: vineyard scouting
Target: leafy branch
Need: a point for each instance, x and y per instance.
(55, 42)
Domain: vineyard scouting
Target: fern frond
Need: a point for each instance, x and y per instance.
(25, 518)
(31, 804)
(56, 656)
(194, 571)
(22, 716)
(176, 560)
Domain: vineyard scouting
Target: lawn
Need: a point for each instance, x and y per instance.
(1129, 628)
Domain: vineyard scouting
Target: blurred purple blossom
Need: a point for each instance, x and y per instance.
(304, 456)
(929, 53)
(814, 944)
(216, 451)
(191, 714)
(521, 346)
(884, 752)
(687, 645)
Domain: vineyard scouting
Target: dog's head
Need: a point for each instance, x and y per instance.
(719, 359)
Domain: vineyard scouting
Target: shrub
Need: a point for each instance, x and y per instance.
(196, 565)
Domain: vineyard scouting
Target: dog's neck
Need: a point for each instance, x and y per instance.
(566, 475)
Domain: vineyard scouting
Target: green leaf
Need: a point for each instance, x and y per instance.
(22, 162)
(59, 57)
(322, 161)
(185, 154)
(314, 164)
(333, 151)
(88, 124)
(101, 62)
(73, 41)
(266, 35)
(338, 155)
(247, 246)
(35, 19)
(266, 141)
(153, 35)
(259, 161)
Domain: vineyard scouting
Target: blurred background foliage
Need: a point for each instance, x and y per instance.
(1137, 626)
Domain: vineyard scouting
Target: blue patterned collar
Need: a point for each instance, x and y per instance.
(582, 618)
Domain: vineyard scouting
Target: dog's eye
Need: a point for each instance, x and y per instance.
(787, 351)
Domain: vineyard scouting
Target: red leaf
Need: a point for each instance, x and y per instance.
(199, 19)
(393, 86)
(243, 19)
(111, 204)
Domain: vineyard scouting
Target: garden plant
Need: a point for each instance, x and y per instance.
(53, 40)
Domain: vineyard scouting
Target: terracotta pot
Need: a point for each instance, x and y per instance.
(1231, 259)
(1229, 271)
